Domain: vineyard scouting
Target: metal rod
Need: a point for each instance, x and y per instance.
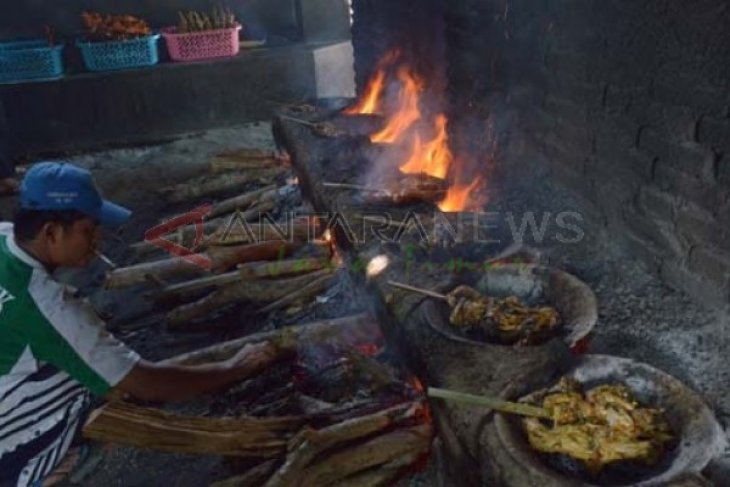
(418, 290)
(298, 120)
(357, 187)
(489, 402)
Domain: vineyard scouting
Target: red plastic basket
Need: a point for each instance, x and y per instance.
(195, 46)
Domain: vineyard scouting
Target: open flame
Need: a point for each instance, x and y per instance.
(458, 196)
(432, 158)
(408, 127)
(370, 103)
(408, 110)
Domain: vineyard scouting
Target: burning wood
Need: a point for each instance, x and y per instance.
(306, 446)
(219, 183)
(405, 443)
(331, 442)
(219, 260)
(250, 290)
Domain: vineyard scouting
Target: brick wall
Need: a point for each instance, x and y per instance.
(630, 104)
(627, 101)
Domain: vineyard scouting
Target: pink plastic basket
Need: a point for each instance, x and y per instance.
(194, 46)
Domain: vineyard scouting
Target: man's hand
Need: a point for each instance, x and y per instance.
(253, 358)
(155, 382)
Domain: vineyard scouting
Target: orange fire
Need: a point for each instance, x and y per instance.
(433, 158)
(458, 197)
(430, 152)
(408, 111)
(370, 103)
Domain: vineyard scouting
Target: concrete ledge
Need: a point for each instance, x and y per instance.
(94, 110)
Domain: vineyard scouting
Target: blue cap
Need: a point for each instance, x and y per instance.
(63, 186)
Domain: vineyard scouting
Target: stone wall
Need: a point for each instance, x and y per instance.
(629, 104)
(415, 28)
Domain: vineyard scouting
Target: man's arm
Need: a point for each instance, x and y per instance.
(153, 382)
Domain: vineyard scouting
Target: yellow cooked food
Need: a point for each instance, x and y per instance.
(602, 426)
(509, 317)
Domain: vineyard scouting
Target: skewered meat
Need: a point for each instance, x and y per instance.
(602, 426)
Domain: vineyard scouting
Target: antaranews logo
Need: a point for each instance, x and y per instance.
(195, 217)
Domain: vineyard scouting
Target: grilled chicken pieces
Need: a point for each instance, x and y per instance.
(602, 426)
(508, 318)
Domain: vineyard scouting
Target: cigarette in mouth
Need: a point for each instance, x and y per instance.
(106, 259)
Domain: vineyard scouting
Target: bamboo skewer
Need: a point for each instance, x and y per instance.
(419, 290)
(489, 402)
(508, 255)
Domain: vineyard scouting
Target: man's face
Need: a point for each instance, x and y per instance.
(74, 245)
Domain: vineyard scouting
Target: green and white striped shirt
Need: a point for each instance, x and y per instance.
(53, 349)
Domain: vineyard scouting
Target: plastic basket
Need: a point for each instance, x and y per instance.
(112, 55)
(196, 46)
(30, 60)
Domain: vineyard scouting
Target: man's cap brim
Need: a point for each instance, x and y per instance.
(112, 215)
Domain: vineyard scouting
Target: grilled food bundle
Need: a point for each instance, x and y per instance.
(113, 27)
(601, 426)
(508, 320)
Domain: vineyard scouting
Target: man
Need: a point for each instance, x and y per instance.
(54, 352)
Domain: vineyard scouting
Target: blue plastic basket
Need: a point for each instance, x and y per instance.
(111, 55)
(30, 60)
